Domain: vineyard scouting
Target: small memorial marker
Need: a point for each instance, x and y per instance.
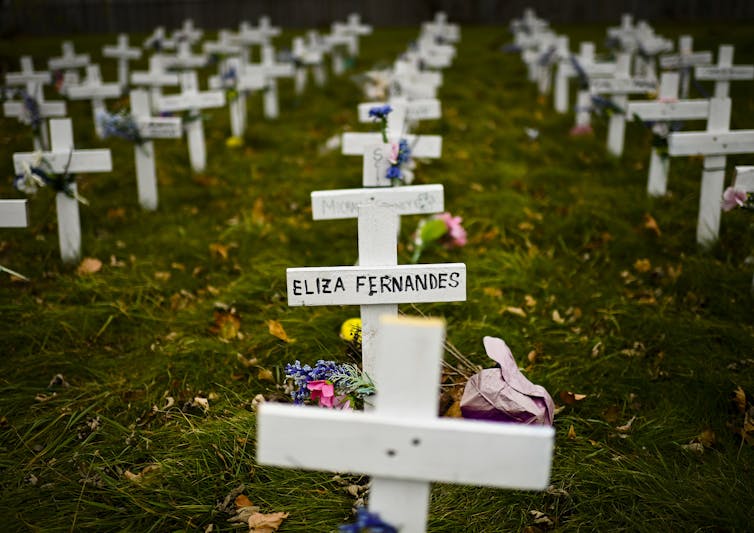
(566, 70)
(336, 41)
(619, 87)
(187, 33)
(14, 214)
(441, 29)
(684, 60)
(272, 71)
(306, 57)
(33, 109)
(158, 41)
(249, 36)
(192, 101)
(70, 63)
(714, 144)
(64, 159)
(184, 59)
(556, 52)
(149, 128)
(155, 78)
(238, 81)
(665, 109)
(402, 443)
(123, 53)
(724, 72)
(94, 90)
(355, 28)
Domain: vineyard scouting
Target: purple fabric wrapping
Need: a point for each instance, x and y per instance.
(504, 394)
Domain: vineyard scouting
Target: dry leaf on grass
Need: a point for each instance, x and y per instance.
(515, 311)
(570, 398)
(642, 265)
(266, 522)
(141, 476)
(276, 329)
(651, 224)
(265, 375)
(571, 433)
(625, 428)
(89, 265)
(227, 324)
(219, 250)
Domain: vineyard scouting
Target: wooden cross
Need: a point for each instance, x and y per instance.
(184, 59)
(532, 47)
(94, 90)
(619, 87)
(149, 128)
(155, 78)
(352, 27)
(684, 60)
(714, 144)
(375, 152)
(242, 79)
(123, 53)
(63, 158)
(187, 33)
(69, 63)
(431, 53)
(308, 55)
(724, 72)
(560, 51)
(33, 83)
(224, 47)
(191, 100)
(440, 28)
(337, 39)
(665, 109)
(565, 70)
(158, 41)
(402, 443)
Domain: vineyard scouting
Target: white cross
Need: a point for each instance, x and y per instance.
(432, 54)
(528, 23)
(94, 90)
(243, 80)
(565, 70)
(14, 214)
(665, 109)
(439, 27)
(307, 55)
(70, 63)
(619, 87)
(63, 158)
(375, 152)
(684, 59)
(187, 33)
(158, 41)
(224, 46)
(560, 50)
(155, 78)
(724, 72)
(714, 144)
(123, 53)
(532, 46)
(149, 128)
(402, 443)
(335, 41)
(249, 35)
(192, 100)
(355, 28)
(184, 59)
(272, 71)
(33, 82)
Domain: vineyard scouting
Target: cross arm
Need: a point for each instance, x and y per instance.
(80, 161)
(409, 200)
(711, 143)
(421, 145)
(46, 109)
(717, 73)
(663, 111)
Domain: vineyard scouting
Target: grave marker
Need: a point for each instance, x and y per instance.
(158, 41)
(149, 128)
(619, 87)
(94, 90)
(714, 144)
(187, 33)
(402, 443)
(63, 158)
(724, 72)
(70, 63)
(272, 71)
(184, 59)
(155, 78)
(566, 70)
(14, 214)
(665, 109)
(123, 53)
(355, 28)
(240, 80)
(684, 60)
(192, 101)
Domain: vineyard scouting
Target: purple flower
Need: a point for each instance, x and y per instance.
(380, 112)
(733, 198)
(366, 521)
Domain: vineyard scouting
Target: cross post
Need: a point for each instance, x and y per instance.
(94, 90)
(70, 62)
(62, 158)
(684, 60)
(123, 53)
(155, 78)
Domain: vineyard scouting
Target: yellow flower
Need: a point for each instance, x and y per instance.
(234, 142)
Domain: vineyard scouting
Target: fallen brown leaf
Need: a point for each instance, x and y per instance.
(257, 212)
(740, 399)
(515, 311)
(276, 329)
(219, 250)
(265, 375)
(571, 433)
(625, 428)
(227, 324)
(570, 398)
(266, 522)
(243, 501)
(138, 478)
(651, 224)
(89, 265)
(557, 318)
(493, 292)
(642, 265)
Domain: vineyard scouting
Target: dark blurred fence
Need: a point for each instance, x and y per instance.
(43, 17)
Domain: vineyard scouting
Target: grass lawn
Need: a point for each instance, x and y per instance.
(598, 289)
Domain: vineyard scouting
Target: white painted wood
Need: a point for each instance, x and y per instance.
(724, 72)
(665, 109)
(429, 146)
(712, 143)
(33, 81)
(184, 59)
(684, 60)
(69, 60)
(123, 53)
(48, 109)
(14, 214)
(63, 157)
(192, 100)
(158, 41)
(408, 200)
(583, 109)
(242, 79)
(402, 444)
(94, 90)
(365, 285)
(272, 71)
(744, 179)
(187, 33)
(422, 109)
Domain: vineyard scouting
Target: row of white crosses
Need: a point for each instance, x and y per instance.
(401, 442)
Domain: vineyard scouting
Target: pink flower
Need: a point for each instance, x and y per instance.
(733, 198)
(394, 150)
(323, 392)
(455, 230)
(581, 129)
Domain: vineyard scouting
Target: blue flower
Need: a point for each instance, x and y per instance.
(380, 112)
(393, 172)
(369, 522)
(404, 152)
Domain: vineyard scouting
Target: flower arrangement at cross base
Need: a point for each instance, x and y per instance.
(367, 522)
(328, 384)
(39, 173)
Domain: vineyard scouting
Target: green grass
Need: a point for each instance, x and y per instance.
(557, 220)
